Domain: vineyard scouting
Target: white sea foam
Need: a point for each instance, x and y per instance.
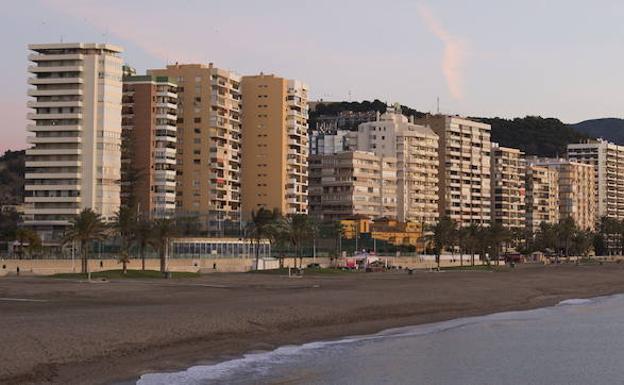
(259, 363)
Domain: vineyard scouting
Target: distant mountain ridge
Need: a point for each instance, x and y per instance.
(611, 129)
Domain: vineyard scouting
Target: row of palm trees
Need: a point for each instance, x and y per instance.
(129, 228)
(561, 239)
(292, 230)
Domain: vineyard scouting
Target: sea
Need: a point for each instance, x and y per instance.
(575, 342)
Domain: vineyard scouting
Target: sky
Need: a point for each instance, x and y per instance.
(559, 58)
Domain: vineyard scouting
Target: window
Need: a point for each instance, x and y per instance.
(196, 120)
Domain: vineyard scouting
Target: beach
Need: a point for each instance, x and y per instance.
(73, 332)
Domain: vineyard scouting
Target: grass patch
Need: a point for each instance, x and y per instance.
(118, 274)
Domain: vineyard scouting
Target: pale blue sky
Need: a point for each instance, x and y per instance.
(482, 57)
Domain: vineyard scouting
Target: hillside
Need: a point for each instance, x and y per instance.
(611, 129)
(531, 134)
(534, 135)
(12, 177)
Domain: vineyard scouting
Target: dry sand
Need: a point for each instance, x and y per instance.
(86, 333)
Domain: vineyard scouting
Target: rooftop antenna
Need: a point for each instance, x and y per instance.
(61, 38)
(349, 95)
(438, 104)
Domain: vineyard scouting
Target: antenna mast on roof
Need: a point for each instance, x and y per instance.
(438, 104)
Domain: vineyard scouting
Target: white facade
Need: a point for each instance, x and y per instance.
(298, 147)
(415, 148)
(327, 144)
(75, 158)
(608, 161)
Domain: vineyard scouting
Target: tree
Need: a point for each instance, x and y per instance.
(30, 238)
(85, 228)
(582, 242)
(124, 226)
(609, 229)
(497, 237)
(565, 232)
(442, 236)
(162, 232)
(299, 229)
(142, 238)
(258, 228)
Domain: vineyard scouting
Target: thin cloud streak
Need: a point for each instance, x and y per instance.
(454, 52)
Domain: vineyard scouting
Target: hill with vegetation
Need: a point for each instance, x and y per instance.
(534, 135)
(611, 129)
(12, 177)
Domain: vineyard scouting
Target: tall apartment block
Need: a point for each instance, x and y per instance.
(149, 115)
(415, 148)
(322, 143)
(275, 148)
(208, 144)
(508, 187)
(576, 191)
(465, 176)
(75, 158)
(608, 162)
(542, 196)
(353, 183)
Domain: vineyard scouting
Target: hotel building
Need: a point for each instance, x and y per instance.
(542, 196)
(508, 187)
(75, 159)
(353, 183)
(208, 144)
(276, 148)
(415, 149)
(576, 191)
(149, 114)
(465, 176)
(608, 162)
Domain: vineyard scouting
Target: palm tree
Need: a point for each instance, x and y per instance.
(299, 229)
(442, 236)
(27, 236)
(258, 228)
(142, 237)
(85, 228)
(124, 225)
(566, 230)
(498, 235)
(162, 231)
(472, 236)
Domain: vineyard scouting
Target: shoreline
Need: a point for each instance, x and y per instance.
(189, 325)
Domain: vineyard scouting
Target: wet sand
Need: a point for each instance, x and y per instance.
(71, 332)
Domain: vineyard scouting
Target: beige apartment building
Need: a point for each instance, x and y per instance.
(465, 176)
(508, 187)
(275, 145)
(148, 173)
(351, 183)
(75, 158)
(542, 196)
(415, 149)
(608, 162)
(208, 144)
(576, 191)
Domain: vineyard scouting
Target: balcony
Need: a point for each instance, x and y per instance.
(35, 116)
(35, 81)
(44, 69)
(35, 128)
(60, 103)
(53, 175)
(70, 91)
(54, 139)
(57, 163)
(38, 57)
(52, 200)
(53, 211)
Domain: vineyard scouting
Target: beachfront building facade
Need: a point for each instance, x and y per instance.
(464, 168)
(322, 143)
(353, 183)
(415, 148)
(149, 140)
(75, 157)
(542, 197)
(208, 144)
(508, 187)
(608, 162)
(276, 148)
(576, 191)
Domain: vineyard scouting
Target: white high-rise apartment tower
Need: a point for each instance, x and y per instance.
(75, 158)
